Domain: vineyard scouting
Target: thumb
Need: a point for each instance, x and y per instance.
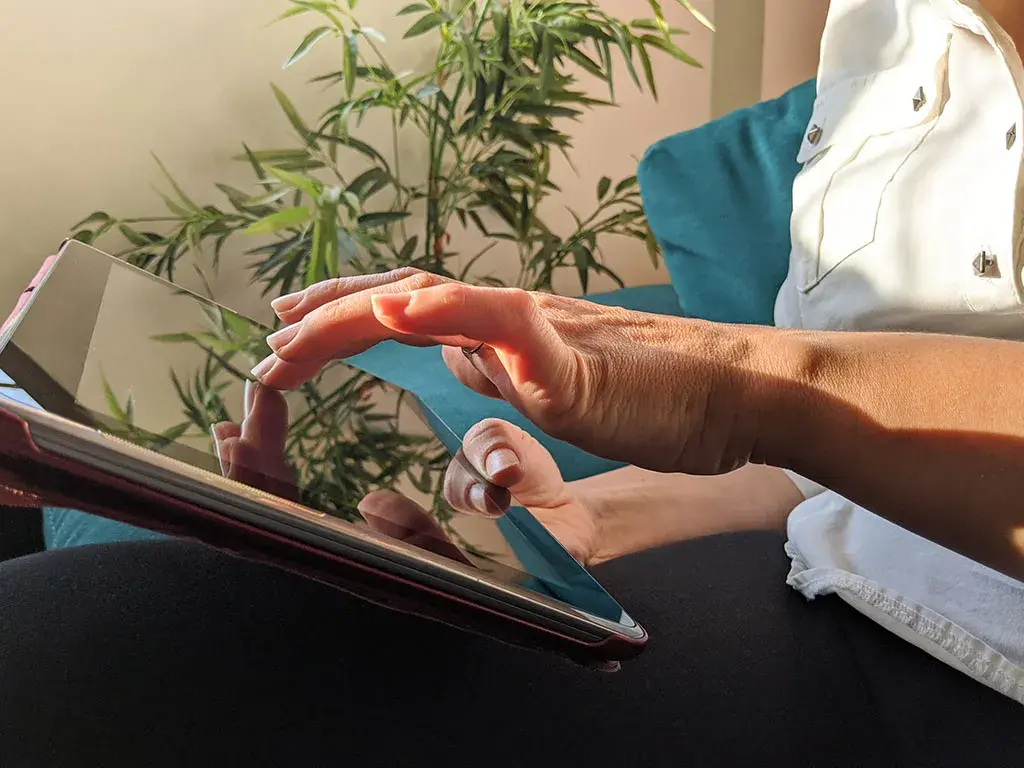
(512, 458)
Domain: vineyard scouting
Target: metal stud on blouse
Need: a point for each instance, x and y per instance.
(985, 265)
(920, 99)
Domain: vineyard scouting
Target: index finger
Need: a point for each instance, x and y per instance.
(346, 324)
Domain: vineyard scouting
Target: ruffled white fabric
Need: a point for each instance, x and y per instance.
(962, 613)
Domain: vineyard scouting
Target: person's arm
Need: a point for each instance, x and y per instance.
(627, 510)
(636, 509)
(925, 430)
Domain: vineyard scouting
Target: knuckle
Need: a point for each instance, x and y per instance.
(328, 289)
(418, 280)
(520, 299)
(403, 273)
(490, 431)
(453, 295)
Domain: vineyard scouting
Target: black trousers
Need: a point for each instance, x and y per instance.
(152, 654)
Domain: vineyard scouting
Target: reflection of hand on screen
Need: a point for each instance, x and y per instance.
(254, 453)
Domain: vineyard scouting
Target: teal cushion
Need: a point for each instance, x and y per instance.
(423, 372)
(719, 198)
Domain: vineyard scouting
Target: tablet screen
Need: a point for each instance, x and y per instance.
(117, 349)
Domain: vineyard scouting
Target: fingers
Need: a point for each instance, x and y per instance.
(468, 491)
(344, 326)
(253, 453)
(278, 374)
(402, 519)
(498, 455)
(295, 306)
(266, 419)
(504, 318)
(225, 436)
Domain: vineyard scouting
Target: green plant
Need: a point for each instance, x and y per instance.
(489, 116)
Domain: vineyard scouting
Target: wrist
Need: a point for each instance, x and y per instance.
(609, 539)
(779, 384)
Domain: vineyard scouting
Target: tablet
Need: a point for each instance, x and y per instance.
(110, 382)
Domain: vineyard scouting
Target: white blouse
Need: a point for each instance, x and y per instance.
(908, 214)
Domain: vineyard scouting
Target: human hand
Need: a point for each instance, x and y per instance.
(499, 461)
(252, 452)
(663, 393)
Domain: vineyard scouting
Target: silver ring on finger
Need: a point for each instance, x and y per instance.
(469, 352)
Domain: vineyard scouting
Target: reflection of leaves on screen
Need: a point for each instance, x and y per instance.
(121, 423)
(342, 442)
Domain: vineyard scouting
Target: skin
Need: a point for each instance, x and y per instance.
(1009, 14)
(635, 508)
(925, 430)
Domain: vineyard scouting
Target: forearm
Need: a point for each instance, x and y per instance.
(637, 509)
(925, 430)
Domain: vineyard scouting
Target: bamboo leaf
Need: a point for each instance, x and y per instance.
(275, 222)
(314, 37)
(671, 49)
(700, 17)
(408, 249)
(382, 218)
(369, 183)
(97, 217)
(645, 61)
(174, 185)
(651, 244)
(428, 90)
(291, 113)
(424, 25)
(357, 145)
(271, 197)
(603, 186)
(414, 8)
(315, 265)
(307, 184)
(626, 183)
(583, 259)
(255, 163)
(329, 222)
(112, 403)
(350, 62)
(373, 34)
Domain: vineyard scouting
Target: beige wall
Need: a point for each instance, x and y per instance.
(92, 88)
(792, 33)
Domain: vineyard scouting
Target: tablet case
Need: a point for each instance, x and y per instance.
(31, 477)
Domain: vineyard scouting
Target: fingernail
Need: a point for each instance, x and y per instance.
(478, 499)
(264, 366)
(287, 302)
(498, 461)
(392, 304)
(281, 338)
(248, 396)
